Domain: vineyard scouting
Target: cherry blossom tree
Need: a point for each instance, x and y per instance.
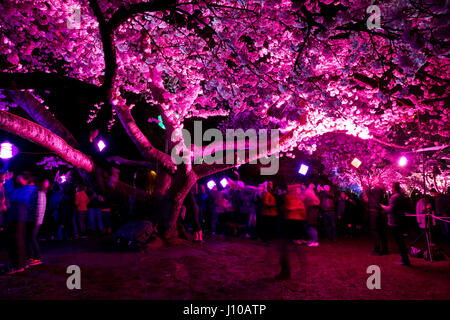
(307, 68)
(381, 163)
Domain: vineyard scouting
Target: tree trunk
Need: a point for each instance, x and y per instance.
(178, 191)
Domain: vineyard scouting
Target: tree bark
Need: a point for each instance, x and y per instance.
(140, 140)
(180, 187)
(45, 138)
(133, 163)
(41, 115)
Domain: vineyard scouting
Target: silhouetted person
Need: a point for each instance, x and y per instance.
(21, 200)
(3, 207)
(312, 215)
(269, 213)
(396, 213)
(329, 215)
(377, 218)
(33, 226)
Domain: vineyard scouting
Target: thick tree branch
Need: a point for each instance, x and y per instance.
(392, 145)
(203, 170)
(45, 138)
(127, 11)
(109, 50)
(366, 80)
(107, 36)
(140, 140)
(41, 115)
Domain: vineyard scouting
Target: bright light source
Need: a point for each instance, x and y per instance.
(7, 150)
(402, 161)
(211, 184)
(356, 163)
(101, 145)
(62, 179)
(303, 169)
(224, 182)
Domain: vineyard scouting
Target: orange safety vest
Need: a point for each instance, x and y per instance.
(295, 208)
(269, 207)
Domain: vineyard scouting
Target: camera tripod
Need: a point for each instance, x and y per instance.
(427, 233)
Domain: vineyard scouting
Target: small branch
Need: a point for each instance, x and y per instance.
(133, 163)
(390, 144)
(203, 170)
(374, 83)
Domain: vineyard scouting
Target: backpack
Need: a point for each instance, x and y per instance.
(135, 232)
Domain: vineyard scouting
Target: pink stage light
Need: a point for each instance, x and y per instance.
(101, 145)
(223, 182)
(402, 161)
(356, 163)
(303, 169)
(211, 184)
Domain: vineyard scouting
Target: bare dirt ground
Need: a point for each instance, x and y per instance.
(224, 269)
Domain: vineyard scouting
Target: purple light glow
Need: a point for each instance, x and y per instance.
(402, 161)
(62, 179)
(211, 184)
(101, 145)
(7, 150)
(224, 182)
(303, 169)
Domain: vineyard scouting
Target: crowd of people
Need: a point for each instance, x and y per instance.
(300, 213)
(33, 210)
(255, 212)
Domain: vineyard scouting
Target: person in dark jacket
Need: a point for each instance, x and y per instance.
(20, 212)
(396, 212)
(95, 212)
(329, 215)
(59, 210)
(193, 210)
(377, 218)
